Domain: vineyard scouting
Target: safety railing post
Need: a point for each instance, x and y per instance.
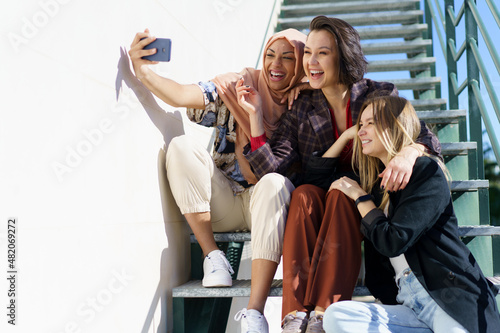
(475, 125)
(450, 60)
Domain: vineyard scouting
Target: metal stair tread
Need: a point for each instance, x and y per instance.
(469, 185)
(475, 230)
(342, 7)
(396, 47)
(378, 18)
(393, 31)
(419, 63)
(478, 230)
(421, 83)
(241, 288)
(441, 116)
(457, 148)
(427, 104)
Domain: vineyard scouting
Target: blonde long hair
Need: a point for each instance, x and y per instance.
(397, 126)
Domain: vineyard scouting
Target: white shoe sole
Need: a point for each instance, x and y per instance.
(216, 284)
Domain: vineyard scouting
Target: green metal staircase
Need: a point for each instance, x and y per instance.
(399, 50)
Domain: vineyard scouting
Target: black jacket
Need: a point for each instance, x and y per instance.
(422, 224)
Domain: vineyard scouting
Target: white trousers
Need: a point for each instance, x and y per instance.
(199, 186)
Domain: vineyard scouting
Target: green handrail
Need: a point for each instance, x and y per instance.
(486, 35)
(436, 22)
(475, 65)
(494, 11)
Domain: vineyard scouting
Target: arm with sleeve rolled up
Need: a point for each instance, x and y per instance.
(169, 91)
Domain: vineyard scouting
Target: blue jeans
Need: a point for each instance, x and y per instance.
(417, 312)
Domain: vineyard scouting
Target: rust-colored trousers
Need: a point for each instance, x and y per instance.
(321, 250)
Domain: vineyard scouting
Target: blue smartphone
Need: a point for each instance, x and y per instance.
(162, 46)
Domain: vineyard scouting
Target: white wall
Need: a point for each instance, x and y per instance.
(79, 167)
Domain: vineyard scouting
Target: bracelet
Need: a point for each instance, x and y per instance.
(362, 198)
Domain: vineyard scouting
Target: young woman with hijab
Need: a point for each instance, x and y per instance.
(219, 192)
(415, 260)
(322, 247)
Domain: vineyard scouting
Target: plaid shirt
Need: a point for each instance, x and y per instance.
(308, 128)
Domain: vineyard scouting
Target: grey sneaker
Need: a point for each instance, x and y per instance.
(315, 324)
(217, 270)
(252, 321)
(295, 322)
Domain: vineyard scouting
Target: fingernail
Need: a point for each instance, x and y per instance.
(247, 86)
(382, 187)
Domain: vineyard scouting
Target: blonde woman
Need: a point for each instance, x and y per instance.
(416, 264)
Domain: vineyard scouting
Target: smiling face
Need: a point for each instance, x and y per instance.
(279, 64)
(370, 140)
(321, 59)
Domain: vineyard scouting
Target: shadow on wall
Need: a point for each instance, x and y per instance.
(169, 124)
(173, 268)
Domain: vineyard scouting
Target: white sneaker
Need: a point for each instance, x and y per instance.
(252, 321)
(315, 324)
(295, 322)
(217, 270)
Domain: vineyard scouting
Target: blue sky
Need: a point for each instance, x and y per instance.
(493, 30)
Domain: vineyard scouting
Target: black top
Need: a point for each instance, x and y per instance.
(421, 224)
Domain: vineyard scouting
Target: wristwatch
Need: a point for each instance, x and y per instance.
(362, 198)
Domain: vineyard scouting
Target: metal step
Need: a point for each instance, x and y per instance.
(228, 237)
(442, 116)
(379, 18)
(414, 46)
(462, 230)
(393, 31)
(457, 157)
(413, 64)
(428, 104)
(344, 7)
(448, 125)
(423, 83)
(469, 185)
(241, 288)
(478, 230)
(457, 148)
